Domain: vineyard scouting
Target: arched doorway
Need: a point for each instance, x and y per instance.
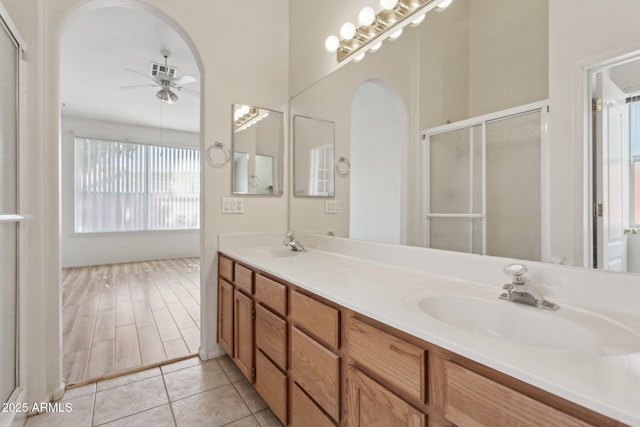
(130, 197)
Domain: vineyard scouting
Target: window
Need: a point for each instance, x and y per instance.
(121, 186)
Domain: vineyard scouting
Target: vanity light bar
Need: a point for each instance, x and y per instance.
(373, 27)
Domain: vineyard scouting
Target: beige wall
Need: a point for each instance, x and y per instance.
(229, 74)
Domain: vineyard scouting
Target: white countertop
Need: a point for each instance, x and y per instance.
(594, 374)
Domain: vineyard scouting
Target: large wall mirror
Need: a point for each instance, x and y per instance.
(258, 147)
(458, 65)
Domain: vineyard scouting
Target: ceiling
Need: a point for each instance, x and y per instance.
(97, 49)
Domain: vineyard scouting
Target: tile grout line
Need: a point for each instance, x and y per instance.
(166, 390)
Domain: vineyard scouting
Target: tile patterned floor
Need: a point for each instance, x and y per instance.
(189, 393)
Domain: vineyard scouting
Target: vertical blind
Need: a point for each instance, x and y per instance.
(120, 186)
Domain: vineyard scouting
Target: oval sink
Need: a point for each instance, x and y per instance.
(565, 329)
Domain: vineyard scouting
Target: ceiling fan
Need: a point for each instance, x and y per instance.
(164, 77)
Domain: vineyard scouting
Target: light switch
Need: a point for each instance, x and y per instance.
(232, 205)
(332, 206)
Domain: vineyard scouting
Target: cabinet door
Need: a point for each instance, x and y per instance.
(243, 353)
(372, 405)
(225, 316)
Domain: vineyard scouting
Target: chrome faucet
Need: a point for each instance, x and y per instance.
(522, 290)
(293, 244)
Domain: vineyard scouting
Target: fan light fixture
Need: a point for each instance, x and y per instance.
(374, 27)
(165, 95)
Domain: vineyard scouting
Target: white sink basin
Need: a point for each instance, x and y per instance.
(565, 329)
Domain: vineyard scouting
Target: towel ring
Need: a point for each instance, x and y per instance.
(343, 167)
(211, 153)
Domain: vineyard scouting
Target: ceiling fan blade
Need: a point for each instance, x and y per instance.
(139, 73)
(136, 86)
(187, 90)
(183, 80)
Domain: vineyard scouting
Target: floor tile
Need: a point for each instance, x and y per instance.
(196, 379)
(127, 379)
(129, 399)
(186, 363)
(267, 419)
(213, 408)
(72, 393)
(249, 421)
(230, 368)
(250, 395)
(156, 417)
(79, 415)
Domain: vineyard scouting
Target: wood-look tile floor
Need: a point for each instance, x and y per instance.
(120, 317)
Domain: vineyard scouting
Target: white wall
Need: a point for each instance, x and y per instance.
(581, 33)
(257, 73)
(108, 248)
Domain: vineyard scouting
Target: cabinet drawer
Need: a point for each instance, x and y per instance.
(225, 268)
(271, 336)
(306, 413)
(317, 371)
(243, 278)
(271, 294)
(472, 399)
(316, 318)
(272, 386)
(392, 359)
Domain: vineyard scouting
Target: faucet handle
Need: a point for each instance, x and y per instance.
(517, 272)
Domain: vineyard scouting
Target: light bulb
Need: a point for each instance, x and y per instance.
(418, 20)
(331, 44)
(375, 47)
(367, 16)
(358, 57)
(388, 4)
(443, 5)
(395, 34)
(347, 31)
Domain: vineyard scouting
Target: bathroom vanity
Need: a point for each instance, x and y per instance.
(333, 337)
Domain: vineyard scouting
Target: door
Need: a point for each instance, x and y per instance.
(243, 350)
(611, 164)
(225, 316)
(371, 405)
(10, 218)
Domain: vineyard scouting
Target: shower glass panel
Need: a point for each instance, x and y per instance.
(456, 165)
(484, 184)
(8, 299)
(8, 211)
(513, 187)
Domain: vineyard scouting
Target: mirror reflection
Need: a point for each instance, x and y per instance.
(258, 147)
(313, 150)
(456, 65)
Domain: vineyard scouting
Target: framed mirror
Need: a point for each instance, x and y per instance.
(258, 151)
(313, 161)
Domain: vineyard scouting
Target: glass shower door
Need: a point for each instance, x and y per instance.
(9, 218)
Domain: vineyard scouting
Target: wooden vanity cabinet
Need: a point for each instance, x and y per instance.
(318, 364)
